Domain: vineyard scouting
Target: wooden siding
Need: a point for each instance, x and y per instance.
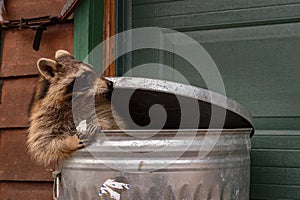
(255, 45)
(26, 190)
(20, 176)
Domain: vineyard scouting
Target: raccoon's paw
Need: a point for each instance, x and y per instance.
(82, 127)
(72, 143)
(87, 131)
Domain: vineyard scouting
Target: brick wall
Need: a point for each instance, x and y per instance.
(20, 176)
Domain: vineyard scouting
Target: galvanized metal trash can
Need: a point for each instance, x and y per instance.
(177, 162)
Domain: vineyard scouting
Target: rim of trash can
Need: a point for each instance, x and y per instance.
(180, 89)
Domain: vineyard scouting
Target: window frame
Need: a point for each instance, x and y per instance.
(95, 21)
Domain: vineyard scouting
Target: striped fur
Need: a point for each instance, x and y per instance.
(52, 125)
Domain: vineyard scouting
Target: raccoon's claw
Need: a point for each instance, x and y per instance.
(87, 131)
(92, 130)
(80, 145)
(72, 143)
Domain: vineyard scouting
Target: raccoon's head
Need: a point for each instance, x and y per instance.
(66, 77)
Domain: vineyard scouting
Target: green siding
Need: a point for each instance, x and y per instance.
(205, 15)
(275, 158)
(278, 176)
(273, 192)
(159, 8)
(255, 45)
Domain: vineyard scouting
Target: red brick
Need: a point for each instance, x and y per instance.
(15, 162)
(15, 100)
(25, 190)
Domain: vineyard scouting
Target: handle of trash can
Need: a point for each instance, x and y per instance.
(56, 176)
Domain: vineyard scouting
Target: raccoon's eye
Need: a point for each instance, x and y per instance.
(83, 76)
(86, 79)
(87, 75)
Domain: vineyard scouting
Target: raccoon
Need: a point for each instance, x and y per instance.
(68, 91)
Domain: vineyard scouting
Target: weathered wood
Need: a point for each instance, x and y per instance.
(109, 31)
(26, 190)
(16, 96)
(20, 176)
(18, 57)
(28, 8)
(16, 163)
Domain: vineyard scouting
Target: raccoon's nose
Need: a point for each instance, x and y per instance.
(109, 84)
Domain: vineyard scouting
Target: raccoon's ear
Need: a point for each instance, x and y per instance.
(47, 67)
(61, 53)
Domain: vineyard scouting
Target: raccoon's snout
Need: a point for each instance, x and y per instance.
(110, 84)
(110, 87)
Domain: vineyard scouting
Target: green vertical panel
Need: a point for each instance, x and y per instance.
(88, 27)
(123, 23)
(81, 29)
(97, 23)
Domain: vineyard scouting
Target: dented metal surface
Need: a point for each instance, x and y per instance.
(223, 174)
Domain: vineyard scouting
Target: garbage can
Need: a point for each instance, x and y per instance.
(173, 162)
